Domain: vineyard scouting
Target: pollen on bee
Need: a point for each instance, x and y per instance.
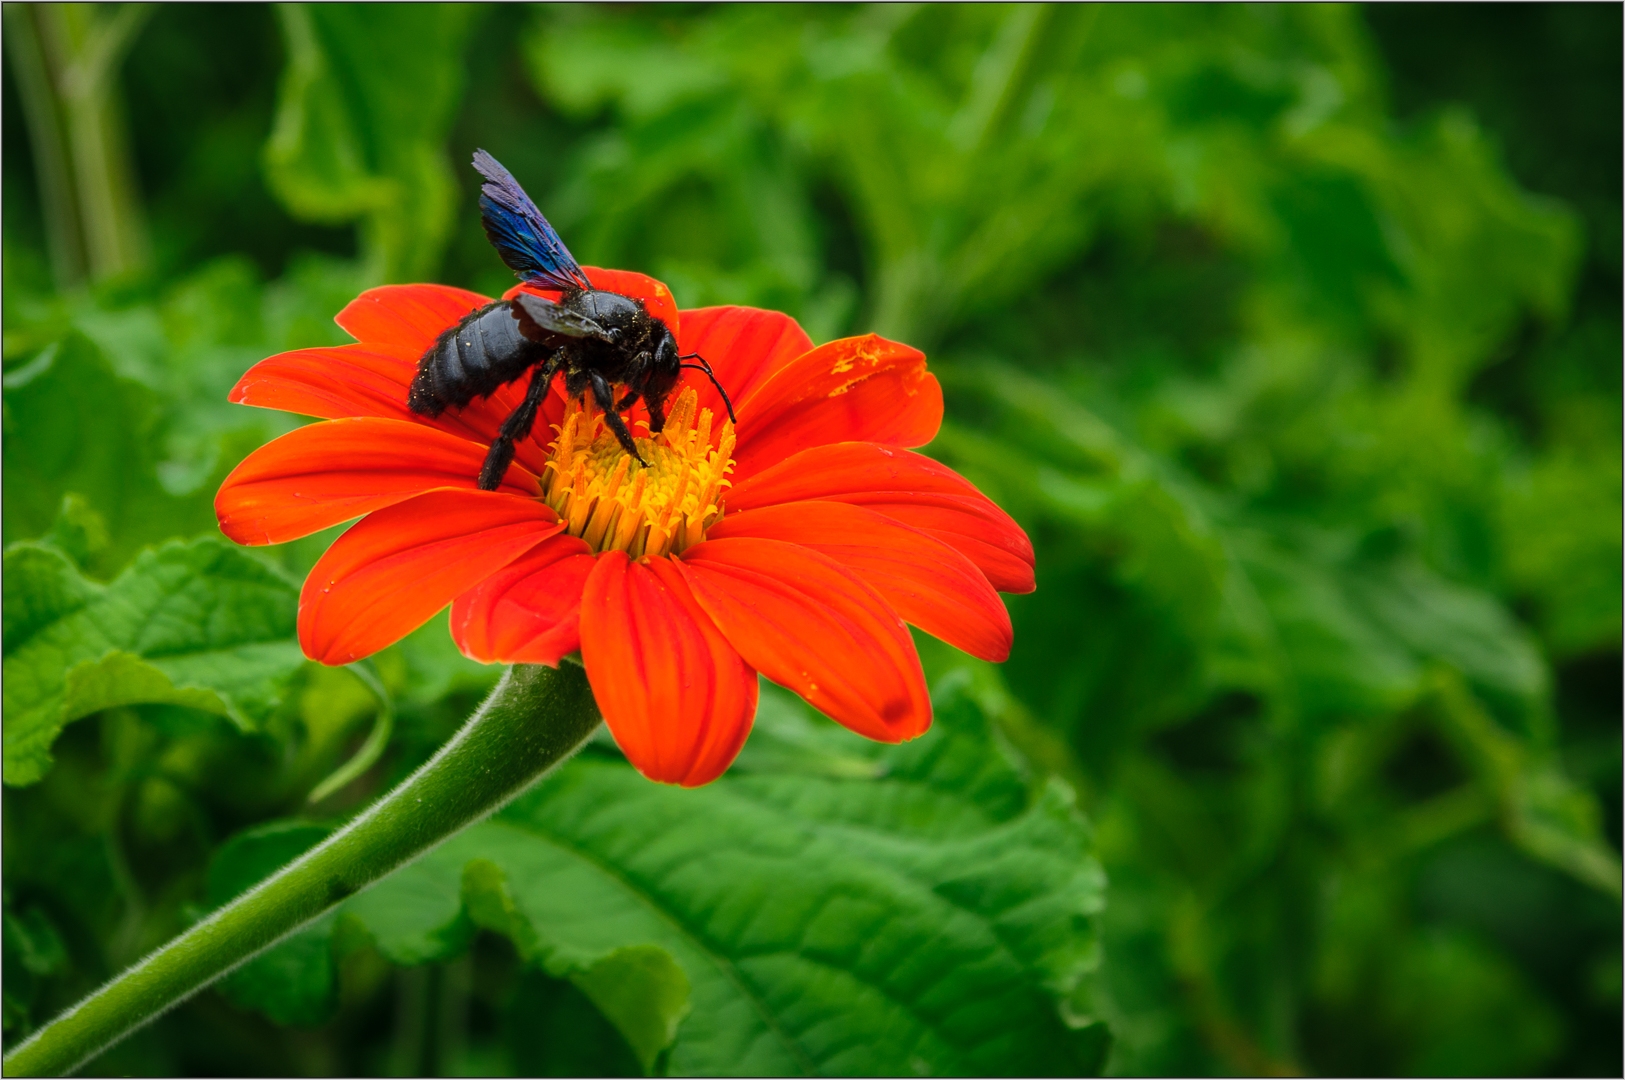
(605, 497)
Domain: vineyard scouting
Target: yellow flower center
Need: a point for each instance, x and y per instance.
(605, 497)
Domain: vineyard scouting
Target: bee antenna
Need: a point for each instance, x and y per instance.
(705, 366)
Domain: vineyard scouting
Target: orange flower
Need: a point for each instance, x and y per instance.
(796, 545)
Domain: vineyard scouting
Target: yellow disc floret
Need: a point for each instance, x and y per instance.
(605, 497)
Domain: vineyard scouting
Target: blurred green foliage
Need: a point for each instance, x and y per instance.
(1291, 334)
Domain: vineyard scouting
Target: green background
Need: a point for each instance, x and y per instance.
(1290, 334)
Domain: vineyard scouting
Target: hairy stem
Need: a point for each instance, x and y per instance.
(534, 719)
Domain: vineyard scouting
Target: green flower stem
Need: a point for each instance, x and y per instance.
(534, 719)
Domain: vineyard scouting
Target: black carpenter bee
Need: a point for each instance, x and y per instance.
(597, 339)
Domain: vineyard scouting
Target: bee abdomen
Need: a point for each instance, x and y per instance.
(472, 359)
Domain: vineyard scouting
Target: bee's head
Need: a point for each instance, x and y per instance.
(667, 368)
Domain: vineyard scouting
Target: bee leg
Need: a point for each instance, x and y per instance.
(606, 401)
(657, 415)
(516, 426)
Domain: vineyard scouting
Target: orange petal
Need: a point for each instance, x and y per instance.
(657, 299)
(410, 316)
(397, 567)
(676, 695)
(909, 487)
(342, 380)
(328, 473)
(743, 345)
(529, 611)
(372, 380)
(811, 625)
(924, 580)
(855, 389)
(970, 524)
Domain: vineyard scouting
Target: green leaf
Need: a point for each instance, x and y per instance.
(419, 917)
(1466, 1009)
(365, 106)
(1544, 812)
(79, 531)
(927, 915)
(200, 624)
(33, 951)
(73, 425)
(1561, 521)
(556, 1030)
(39, 948)
(1462, 627)
(644, 993)
(41, 587)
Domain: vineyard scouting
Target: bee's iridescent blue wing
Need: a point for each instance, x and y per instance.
(519, 232)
